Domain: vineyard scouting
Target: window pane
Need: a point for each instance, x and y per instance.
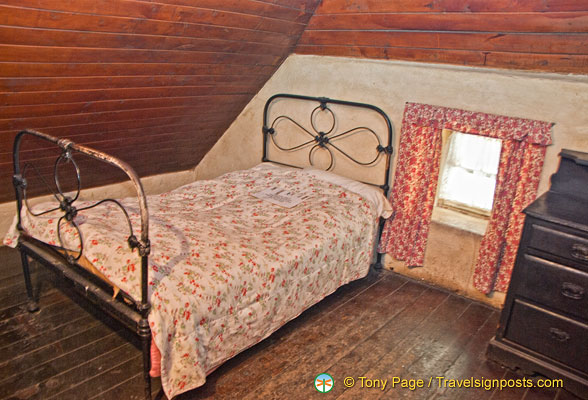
(477, 153)
(469, 173)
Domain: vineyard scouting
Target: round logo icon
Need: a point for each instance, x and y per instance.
(323, 383)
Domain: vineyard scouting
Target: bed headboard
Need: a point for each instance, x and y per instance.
(350, 138)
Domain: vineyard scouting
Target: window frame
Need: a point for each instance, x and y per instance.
(452, 205)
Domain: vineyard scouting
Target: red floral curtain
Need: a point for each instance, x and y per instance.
(516, 187)
(413, 194)
(415, 183)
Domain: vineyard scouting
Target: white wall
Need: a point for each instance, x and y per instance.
(562, 99)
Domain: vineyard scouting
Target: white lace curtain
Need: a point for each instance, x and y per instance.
(469, 173)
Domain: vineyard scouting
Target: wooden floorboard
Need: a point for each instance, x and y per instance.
(380, 327)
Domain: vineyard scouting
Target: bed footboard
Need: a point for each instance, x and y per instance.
(62, 261)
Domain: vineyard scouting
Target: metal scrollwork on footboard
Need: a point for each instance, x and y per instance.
(134, 313)
(66, 203)
(325, 139)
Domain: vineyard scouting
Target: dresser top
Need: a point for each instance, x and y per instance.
(577, 156)
(571, 178)
(561, 209)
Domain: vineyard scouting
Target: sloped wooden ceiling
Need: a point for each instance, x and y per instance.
(540, 35)
(153, 82)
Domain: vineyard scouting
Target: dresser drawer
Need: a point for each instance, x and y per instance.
(550, 334)
(554, 285)
(559, 243)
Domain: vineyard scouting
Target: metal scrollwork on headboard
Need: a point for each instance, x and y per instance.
(325, 139)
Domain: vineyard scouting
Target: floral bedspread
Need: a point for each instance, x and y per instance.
(226, 268)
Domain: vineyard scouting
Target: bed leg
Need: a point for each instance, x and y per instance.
(32, 305)
(145, 335)
(378, 264)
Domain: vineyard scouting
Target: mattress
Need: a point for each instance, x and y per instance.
(227, 268)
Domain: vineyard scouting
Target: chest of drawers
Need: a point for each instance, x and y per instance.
(544, 323)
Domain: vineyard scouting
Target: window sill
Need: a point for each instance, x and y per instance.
(460, 221)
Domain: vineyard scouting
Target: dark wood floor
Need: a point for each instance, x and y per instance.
(381, 327)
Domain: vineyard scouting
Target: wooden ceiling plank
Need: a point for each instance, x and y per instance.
(159, 12)
(519, 42)
(556, 22)
(577, 64)
(304, 5)
(49, 54)
(50, 19)
(119, 127)
(32, 151)
(51, 37)
(34, 122)
(251, 7)
(346, 6)
(8, 99)
(41, 84)
(398, 53)
(91, 107)
(148, 140)
(106, 69)
(131, 154)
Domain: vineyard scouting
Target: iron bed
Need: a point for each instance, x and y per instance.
(131, 311)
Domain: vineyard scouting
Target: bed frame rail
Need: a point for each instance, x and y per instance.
(134, 315)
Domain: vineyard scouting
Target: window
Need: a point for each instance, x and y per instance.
(468, 173)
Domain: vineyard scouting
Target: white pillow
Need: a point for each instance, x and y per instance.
(371, 193)
(270, 165)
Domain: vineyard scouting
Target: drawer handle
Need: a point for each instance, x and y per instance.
(559, 335)
(572, 291)
(580, 252)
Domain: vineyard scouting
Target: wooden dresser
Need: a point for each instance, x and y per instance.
(544, 324)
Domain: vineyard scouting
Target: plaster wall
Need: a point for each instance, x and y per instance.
(451, 252)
